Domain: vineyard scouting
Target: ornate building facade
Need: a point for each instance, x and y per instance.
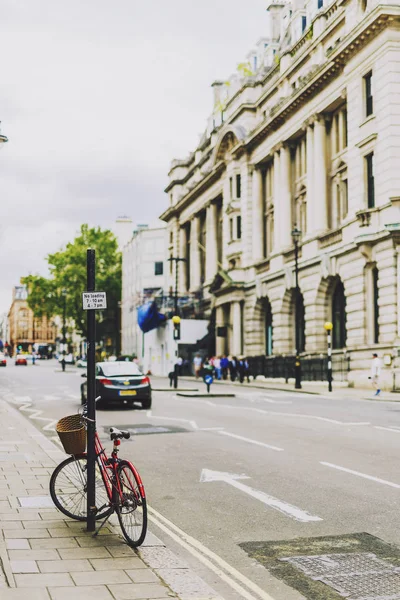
(306, 135)
(25, 330)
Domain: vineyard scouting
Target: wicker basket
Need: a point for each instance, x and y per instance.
(72, 434)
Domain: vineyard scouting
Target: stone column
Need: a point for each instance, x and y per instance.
(219, 341)
(194, 254)
(211, 242)
(310, 180)
(236, 319)
(285, 199)
(183, 284)
(258, 217)
(320, 187)
(341, 130)
(277, 204)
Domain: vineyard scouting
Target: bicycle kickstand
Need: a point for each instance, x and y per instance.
(96, 533)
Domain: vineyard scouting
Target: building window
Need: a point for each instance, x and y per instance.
(239, 227)
(171, 238)
(268, 232)
(369, 108)
(369, 167)
(339, 331)
(375, 281)
(231, 229)
(268, 328)
(158, 268)
(238, 186)
(231, 188)
(299, 191)
(303, 24)
(170, 265)
(320, 4)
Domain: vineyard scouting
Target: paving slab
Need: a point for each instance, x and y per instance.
(46, 556)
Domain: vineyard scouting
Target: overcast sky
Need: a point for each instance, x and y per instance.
(96, 98)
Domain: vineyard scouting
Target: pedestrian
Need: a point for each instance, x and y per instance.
(375, 373)
(247, 370)
(224, 367)
(233, 365)
(197, 362)
(217, 367)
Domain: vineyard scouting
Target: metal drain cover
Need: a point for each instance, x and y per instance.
(358, 576)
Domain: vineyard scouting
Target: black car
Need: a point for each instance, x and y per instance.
(120, 382)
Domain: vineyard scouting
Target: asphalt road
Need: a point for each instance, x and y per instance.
(260, 467)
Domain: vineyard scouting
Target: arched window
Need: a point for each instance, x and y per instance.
(268, 328)
(339, 332)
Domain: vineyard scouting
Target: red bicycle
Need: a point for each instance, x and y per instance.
(119, 489)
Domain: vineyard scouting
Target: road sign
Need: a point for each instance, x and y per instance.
(94, 300)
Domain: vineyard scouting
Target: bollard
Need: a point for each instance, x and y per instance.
(328, 328)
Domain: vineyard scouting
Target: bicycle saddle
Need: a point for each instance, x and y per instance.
(116, 434)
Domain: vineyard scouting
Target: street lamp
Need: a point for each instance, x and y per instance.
(296, 234)
(64, 295)
(177, 260)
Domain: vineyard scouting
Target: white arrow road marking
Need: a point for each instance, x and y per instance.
(394, 430)
(211, 560)
(245, 439)
(283, 507)
(363, 475)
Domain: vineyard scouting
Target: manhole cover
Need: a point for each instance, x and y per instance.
(355, 566)
(146, 429)
(358, 576)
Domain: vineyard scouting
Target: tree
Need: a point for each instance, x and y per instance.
(68, 272)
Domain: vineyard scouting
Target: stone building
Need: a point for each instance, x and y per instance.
(24, 329)
(306, 134)
(143, 278)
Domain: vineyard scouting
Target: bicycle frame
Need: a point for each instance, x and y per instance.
(109, 469)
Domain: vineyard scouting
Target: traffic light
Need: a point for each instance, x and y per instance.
(177, 327)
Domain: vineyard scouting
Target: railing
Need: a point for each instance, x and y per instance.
(313, 368)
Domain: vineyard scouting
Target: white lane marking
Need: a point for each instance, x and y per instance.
(363, 475)
(387, 429)
(192, 424)
(245, 439)
(275, 413)
(225, 571)
(52, 397)
(271, 401)
(288, 509)
(27, 402)
(211, 428)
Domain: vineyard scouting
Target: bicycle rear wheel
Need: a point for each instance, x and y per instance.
(68, 489)
(131, 505)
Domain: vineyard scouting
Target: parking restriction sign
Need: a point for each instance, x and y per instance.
(94, 300)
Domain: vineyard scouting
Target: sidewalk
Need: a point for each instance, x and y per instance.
(44, 556)
(307, 387)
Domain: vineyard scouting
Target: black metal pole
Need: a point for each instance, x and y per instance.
(91, 394)
(176, 285)
(64, 330)
(329, 335)
(297, 368)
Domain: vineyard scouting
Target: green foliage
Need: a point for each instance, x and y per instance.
(68, 272)
(245, 69)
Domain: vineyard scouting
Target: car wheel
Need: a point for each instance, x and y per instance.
(146, 404)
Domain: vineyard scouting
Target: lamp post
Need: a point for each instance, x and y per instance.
(64, 295)
(177, 260)
(328, 328)
(296, 234)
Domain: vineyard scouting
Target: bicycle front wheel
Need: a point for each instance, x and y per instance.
(68, 489)
(130, 504)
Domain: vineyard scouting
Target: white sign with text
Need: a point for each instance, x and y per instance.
(94, 300)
